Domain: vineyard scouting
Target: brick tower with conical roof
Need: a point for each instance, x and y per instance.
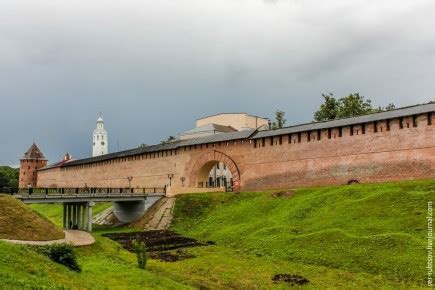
(32, 160)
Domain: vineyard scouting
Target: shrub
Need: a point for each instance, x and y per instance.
(141, 253)
(63, 254)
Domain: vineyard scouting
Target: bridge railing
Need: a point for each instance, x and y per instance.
(92, 190)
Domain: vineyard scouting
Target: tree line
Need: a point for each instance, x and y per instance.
(9, 177)
(332, 108)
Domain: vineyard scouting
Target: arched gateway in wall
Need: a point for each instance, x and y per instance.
(206, 162)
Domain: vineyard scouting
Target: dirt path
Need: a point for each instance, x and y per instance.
(73, 237)
(162, 217)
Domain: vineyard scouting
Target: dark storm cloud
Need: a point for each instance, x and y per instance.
(153, 67)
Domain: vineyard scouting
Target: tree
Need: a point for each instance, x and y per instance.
(4, 180)
(328, 110)
(9, 177)
(349, 106)
(142, 146)
(170, 139)
(354, 105)
(280, 121)
(141, 253)
(389, 107)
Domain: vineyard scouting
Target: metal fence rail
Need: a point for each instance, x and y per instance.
(91, 190)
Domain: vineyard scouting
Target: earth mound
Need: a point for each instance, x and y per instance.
(19, 222)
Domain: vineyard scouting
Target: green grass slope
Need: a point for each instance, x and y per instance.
(20, 222)
(374, 229)
(105, 265)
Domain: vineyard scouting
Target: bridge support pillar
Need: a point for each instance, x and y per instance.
(64, 215)
(78, 216)
(89, 205)
(83, 225)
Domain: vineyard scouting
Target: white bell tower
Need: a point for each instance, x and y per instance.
(100, 144)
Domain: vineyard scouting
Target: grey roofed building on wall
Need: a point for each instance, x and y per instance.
(208, 129)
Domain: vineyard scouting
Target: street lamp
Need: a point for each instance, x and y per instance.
(170, 176)
(130, 178)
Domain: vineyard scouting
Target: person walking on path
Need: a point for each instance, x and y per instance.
(29, 189)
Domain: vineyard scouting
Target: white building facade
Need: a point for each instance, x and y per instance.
(100, 142)
(219, 175)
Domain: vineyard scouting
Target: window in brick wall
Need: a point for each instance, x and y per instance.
(414, 121)
(340, 132)
(351, 130)
(271, 141)
(289, 136)
(280, 140)
(363, 128)
(263, 142)
(401, 122)
(388, 124)
(255, 143)
(329, 133)
(375, 126)
(429, 118)
(308, 136)
(319, 134)
(299, 137)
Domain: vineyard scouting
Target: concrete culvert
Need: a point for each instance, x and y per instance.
(128, 211)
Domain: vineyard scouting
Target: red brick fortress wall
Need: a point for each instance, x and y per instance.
(377, 155)
(385, 150)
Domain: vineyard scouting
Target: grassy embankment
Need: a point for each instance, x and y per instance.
(346, 236)
(19, 222)
(105, 264)
(362, 235)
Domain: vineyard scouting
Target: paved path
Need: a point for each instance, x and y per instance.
(163, 216)
(78, 238)
(106, 218)
(73, 237)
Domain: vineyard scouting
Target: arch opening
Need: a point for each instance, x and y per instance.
(215, 169)
(214, 174)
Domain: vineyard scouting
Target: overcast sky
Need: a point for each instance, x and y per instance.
(153, 67)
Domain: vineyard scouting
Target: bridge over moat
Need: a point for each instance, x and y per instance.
(128, 204)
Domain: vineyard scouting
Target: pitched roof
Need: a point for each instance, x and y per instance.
(33, 153)
(231, 113)
(254, 134)
(396, 113)
(210, 128)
